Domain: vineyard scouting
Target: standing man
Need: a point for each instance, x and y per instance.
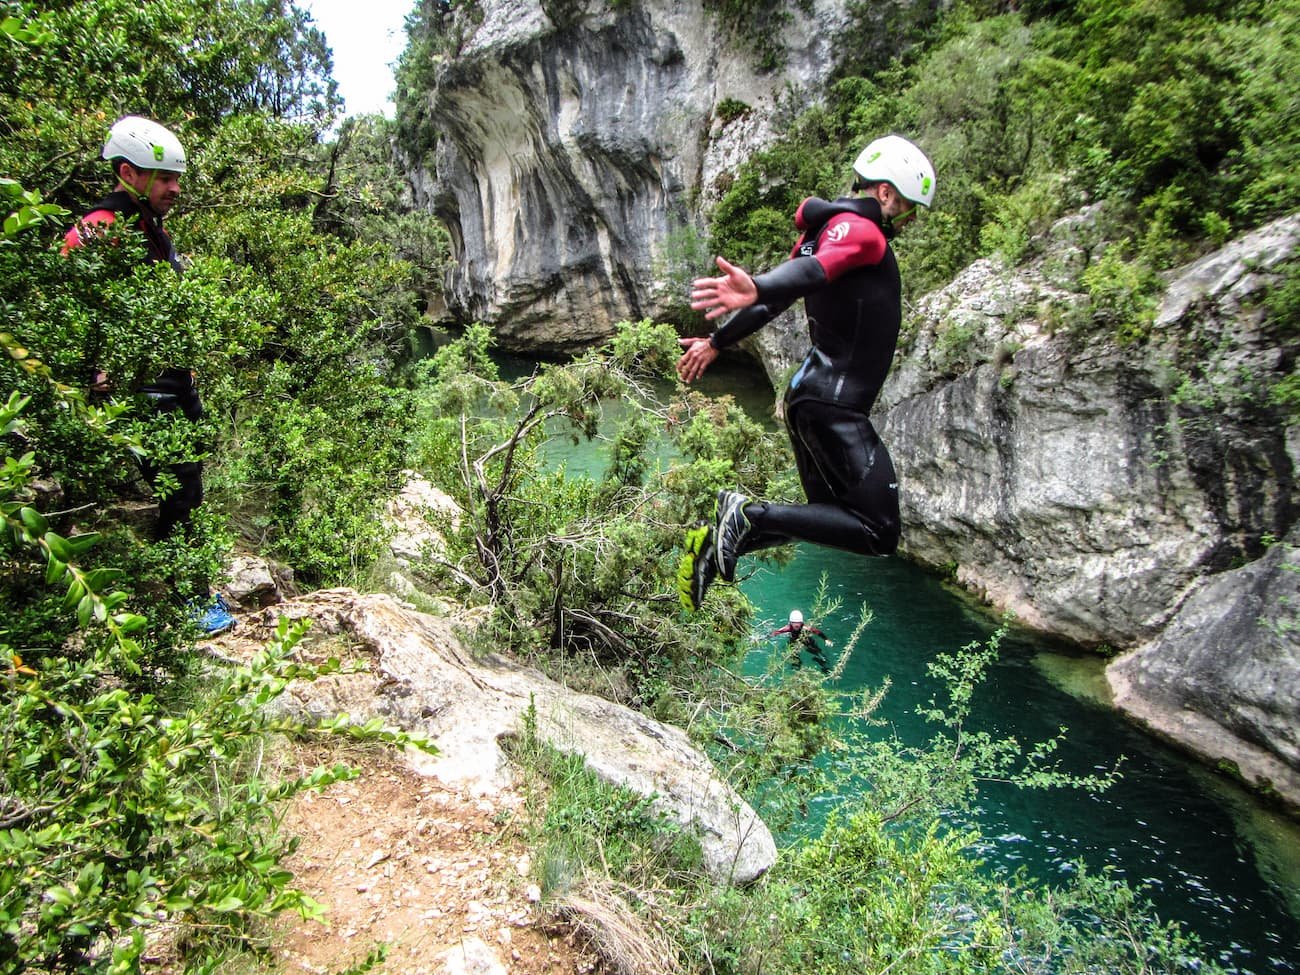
(844, 269)
(148, 161)
(801, 638)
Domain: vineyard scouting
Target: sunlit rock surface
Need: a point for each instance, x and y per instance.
(422, 679)
(571, 162)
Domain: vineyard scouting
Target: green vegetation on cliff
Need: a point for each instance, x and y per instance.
(1177, 116)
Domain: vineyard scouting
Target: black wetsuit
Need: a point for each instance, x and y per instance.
(801, 638)
(846, 273)
(174, 388)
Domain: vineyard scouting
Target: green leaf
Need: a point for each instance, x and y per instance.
(59, 546)
(97, 579)
(54, 570)
(81, 544)
(60, 895)
(34, 521)
(85, 608)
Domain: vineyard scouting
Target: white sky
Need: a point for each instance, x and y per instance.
(366, 37)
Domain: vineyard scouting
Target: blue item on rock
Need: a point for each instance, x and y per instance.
(215, 618)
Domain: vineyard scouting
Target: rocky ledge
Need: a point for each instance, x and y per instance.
(420, 678)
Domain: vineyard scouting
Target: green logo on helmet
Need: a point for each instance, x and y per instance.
(159, 152)
(874, 157)
(925, 186)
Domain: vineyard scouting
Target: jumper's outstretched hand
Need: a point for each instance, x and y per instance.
(717, 296)
(699, 355)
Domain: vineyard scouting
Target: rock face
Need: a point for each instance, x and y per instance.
(1086, 487)
(570, 156)
(422, 680)
(1103, 495)
(1221, 678)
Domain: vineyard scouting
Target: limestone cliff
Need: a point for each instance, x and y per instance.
(1106, 493)
(568, 157)
(1085, 485)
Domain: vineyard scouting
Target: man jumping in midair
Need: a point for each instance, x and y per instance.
(844, 269)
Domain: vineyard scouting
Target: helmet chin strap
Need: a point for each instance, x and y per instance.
(141, 195)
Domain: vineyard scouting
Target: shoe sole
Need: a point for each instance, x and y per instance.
(694, 544)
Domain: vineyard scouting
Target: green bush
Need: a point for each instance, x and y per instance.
(1181, 122)
(757, 27)
(730, 109)
(119, 813)
(1124, 294)
(583, 568)
(126, 801)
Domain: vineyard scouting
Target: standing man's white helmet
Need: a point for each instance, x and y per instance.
(145, 145)
(796, 616)
(894, 160)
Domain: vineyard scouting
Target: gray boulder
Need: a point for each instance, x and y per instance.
(421, 679)
(1221, 678)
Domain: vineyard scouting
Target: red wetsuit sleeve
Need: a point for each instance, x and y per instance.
(847, 242)
(85, 227)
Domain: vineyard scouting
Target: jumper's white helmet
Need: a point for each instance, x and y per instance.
(145, 145)
(894, 160)
(796, 616)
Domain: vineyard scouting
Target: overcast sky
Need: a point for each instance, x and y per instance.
(366, 37)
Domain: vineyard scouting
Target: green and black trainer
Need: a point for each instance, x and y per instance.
(698, 567)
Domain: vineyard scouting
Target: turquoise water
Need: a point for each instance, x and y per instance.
(1208, 855)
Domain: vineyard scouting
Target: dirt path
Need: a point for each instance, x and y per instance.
(443, 878)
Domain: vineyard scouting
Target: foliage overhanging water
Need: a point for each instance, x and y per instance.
(1204, 852)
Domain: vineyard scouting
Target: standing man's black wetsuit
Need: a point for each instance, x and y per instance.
(845, 270)
(174, 388)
